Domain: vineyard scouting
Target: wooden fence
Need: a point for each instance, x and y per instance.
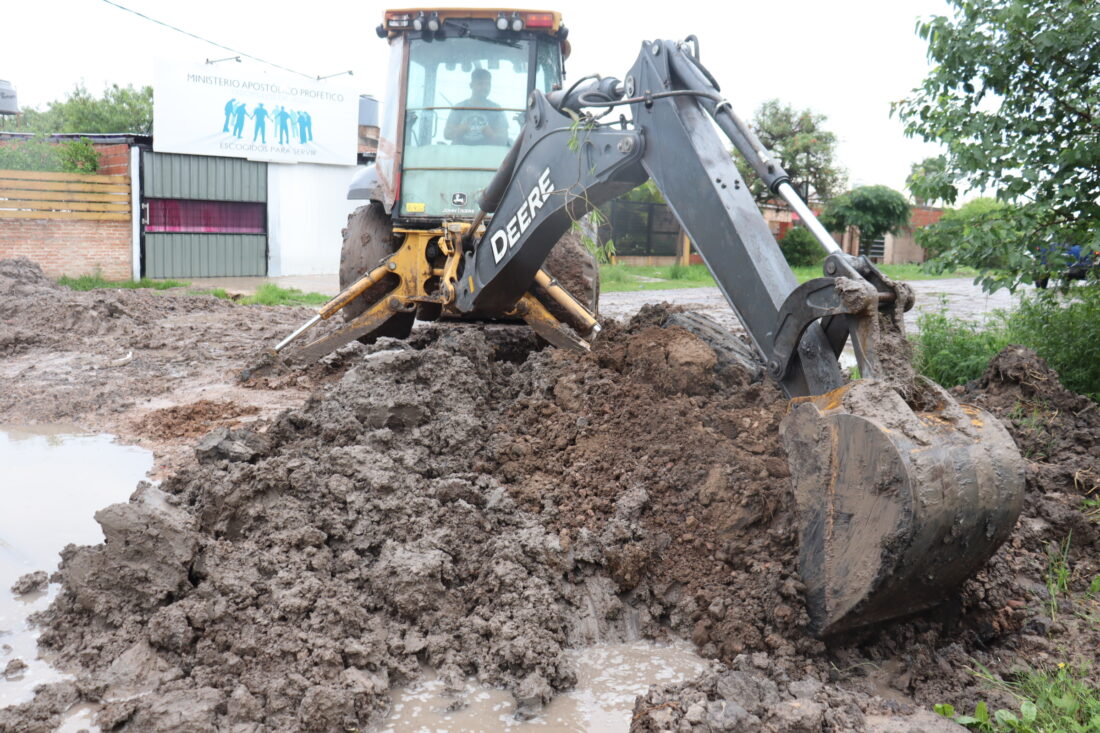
(39, 195)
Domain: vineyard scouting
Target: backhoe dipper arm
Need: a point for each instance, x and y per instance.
(901, 492)
(560, 168)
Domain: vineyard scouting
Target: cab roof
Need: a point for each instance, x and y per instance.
(547, 21)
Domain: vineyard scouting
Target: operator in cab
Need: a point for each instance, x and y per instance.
(477, 120)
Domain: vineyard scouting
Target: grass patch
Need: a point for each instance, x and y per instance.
(266, 294)
(97, 282)
(894, 272)
(1057, 575)
(628, 278)
(272, 294)
(1064, 329)
(954, 351)
(1059, 699)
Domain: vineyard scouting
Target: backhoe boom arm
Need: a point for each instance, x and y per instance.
(562, 166)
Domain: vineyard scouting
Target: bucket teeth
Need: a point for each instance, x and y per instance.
(896, 508)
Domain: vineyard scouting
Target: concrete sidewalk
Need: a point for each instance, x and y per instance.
(323, 284)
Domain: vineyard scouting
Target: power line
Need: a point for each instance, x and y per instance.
(207, 40)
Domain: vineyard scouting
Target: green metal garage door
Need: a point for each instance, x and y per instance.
(203, 216)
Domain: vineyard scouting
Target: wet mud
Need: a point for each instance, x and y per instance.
(472, 503)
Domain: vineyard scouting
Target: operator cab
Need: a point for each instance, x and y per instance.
(459, 80)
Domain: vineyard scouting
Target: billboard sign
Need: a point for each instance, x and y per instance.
(211, 110)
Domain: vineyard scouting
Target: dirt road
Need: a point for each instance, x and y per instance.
(960, 297)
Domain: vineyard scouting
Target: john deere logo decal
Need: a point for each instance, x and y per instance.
(458, 199)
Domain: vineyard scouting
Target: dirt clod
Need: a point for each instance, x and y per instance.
(30, 583)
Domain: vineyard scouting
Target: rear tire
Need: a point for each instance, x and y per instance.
(368, 239)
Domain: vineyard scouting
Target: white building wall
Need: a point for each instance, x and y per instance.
(307, 206)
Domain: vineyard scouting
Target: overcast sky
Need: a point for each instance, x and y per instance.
(847, 59)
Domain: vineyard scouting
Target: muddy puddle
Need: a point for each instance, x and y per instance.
(609, 678)
(53, 480)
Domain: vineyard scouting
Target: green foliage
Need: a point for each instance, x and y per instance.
(954, 351)
(96, 282)
(39, 154)
(647, 193)
(272, 294)
(1057, 575)
(34, 154)
(806, 151)
(120, 109)
(1038, 443)
(615, 275)
(604, 253)
(801, 249)
(1064, 329)
(631, 278)
(1012, 95)
(929, 181)
(1059, 700)
(975, 235)
(876, 210)
(266, 294)
(1091, 507)
(78, 156)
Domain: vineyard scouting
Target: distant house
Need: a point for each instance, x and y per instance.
(894, 249)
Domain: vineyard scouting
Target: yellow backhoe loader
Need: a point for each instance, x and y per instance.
(487, 158)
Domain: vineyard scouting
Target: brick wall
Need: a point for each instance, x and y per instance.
(114, 160)
(74, 248)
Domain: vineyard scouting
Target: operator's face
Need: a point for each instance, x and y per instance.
(481, 86)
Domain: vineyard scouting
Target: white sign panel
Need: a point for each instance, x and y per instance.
(215, 110)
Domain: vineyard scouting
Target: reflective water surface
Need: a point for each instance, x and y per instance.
(52, 480)
(609, 677)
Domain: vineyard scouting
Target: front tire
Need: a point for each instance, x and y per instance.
(368, 239)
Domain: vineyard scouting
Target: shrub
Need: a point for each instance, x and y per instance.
(1064, 329)
(34, 154)
(954, 351)
(801, 248)
(78, 156)
(39, 154)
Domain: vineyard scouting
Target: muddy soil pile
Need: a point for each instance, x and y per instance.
(111, 359)
(294, 574)
(1005, 619)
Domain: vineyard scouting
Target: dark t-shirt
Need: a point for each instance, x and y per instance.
(478, 120)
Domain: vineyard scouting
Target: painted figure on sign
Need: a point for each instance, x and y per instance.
(282, 120)
(305, 120)
(260, 130)
(230, 108)
(239, 113)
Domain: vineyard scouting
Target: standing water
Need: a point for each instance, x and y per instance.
(52, 481)
(609, 678)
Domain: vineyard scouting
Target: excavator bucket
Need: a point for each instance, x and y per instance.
(897, 507)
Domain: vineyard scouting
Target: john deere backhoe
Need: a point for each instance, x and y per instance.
(902, 493)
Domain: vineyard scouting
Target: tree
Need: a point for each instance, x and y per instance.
(929, 181)
(806, 151)
(875, 210)
(951, 244)
(120, 109)
(1014, 96)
